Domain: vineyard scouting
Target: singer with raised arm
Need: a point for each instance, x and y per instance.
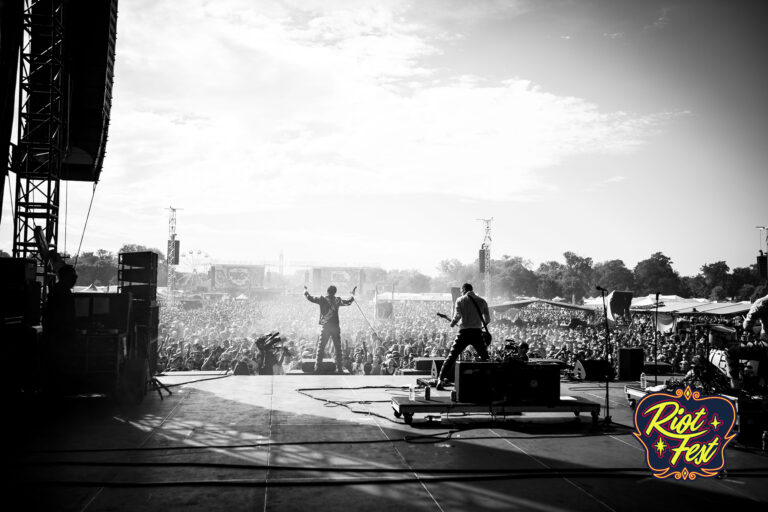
(329, 324)
(471, 314)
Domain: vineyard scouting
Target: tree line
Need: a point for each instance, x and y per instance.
(573, 278)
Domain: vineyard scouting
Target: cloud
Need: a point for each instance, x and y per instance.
(316, 100)
(662, 19)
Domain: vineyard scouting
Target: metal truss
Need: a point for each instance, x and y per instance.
(41, 145)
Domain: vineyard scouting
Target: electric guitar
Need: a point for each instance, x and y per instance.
(487, 338)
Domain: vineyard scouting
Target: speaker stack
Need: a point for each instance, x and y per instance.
(137, 276)
(630, 363)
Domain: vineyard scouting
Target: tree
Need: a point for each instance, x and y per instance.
(614, 275)
(656, 274)
(455, 273)
(99, 268)
(716, 275)
(549, 276)
(576, 277)
(4, 254)
(516, 278)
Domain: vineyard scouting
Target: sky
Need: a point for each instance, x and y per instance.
(355, 132)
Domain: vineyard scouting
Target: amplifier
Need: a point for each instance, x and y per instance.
(533, 383)
(486, 382)
(476, 382)
(424, 364)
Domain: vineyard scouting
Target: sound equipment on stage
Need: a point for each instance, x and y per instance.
(19, 292)
(630, 363)
(534, 383)
(592, 369)
(103, 312)
(658, 369)
(326, 367)
(476, 382)
(424, 364)
(486, 382)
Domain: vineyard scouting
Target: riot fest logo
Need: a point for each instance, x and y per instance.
(685, 434)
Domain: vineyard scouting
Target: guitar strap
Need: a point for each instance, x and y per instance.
(482, 318)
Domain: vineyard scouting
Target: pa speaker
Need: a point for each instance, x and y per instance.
(630, 363)
(424, 364)
(144, 259)
(326, 367)
(592, 369)
(762, 266)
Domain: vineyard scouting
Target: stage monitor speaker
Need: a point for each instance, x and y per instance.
(425, 363)
(326, 367)
(630, 363)
(592, 369)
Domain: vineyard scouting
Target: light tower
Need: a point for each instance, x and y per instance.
(485, 258)
(173, 253)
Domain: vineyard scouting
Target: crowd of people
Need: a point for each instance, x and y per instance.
(276, 335)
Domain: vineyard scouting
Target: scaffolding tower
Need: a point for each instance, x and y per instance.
(485, 252)
(173, 254)
(37, 160)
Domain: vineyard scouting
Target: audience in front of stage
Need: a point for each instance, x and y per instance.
(220, 335)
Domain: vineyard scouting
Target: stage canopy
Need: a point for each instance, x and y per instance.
(520, 304)
(420, 297)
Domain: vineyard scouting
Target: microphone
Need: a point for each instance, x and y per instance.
(601, 288)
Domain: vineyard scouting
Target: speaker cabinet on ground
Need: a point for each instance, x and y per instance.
(424, 364)
(630, 363)
(657, 369)
(326, 367)
(592, 369)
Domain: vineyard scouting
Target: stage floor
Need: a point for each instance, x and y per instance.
(306, 442)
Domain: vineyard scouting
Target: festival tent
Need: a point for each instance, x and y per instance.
(519, 304)
(420, 297)
(92, 288)
(650, 301)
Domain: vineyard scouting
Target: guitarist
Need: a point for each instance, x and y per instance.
(471, 314)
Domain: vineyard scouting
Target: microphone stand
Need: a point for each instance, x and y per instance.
(607, 419)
